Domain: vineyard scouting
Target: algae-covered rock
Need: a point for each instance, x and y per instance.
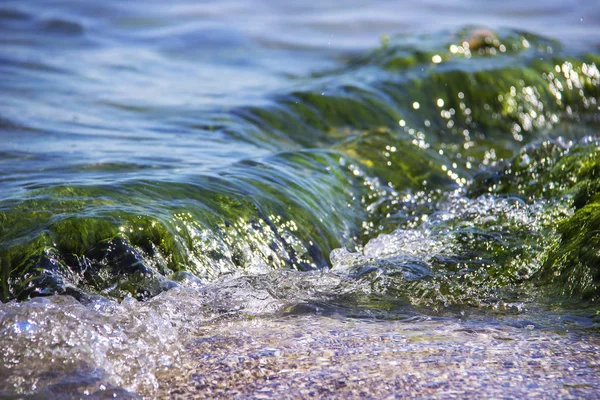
(573, 265)
(553, 171)
(356, 152)
(525, 230)
(289, 210)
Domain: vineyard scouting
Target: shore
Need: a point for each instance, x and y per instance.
(312, 356)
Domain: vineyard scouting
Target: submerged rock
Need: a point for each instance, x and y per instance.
(380, 144)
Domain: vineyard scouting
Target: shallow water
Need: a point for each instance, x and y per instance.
(186, 185)
(332, 358)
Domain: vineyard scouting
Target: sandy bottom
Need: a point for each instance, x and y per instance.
(328, 357)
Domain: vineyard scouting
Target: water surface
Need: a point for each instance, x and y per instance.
(184, 181)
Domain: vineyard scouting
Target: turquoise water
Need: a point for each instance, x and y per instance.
(165, 165)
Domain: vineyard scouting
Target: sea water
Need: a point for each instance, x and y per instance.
(202, 198)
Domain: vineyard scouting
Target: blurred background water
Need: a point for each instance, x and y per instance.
(136, 84)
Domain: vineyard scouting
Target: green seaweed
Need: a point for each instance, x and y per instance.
(573, 266)
(356, 152)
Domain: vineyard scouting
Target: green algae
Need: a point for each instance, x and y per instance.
(559, 173)
(385, 139)
(500, 100)
(256, 213)
(573, 266)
